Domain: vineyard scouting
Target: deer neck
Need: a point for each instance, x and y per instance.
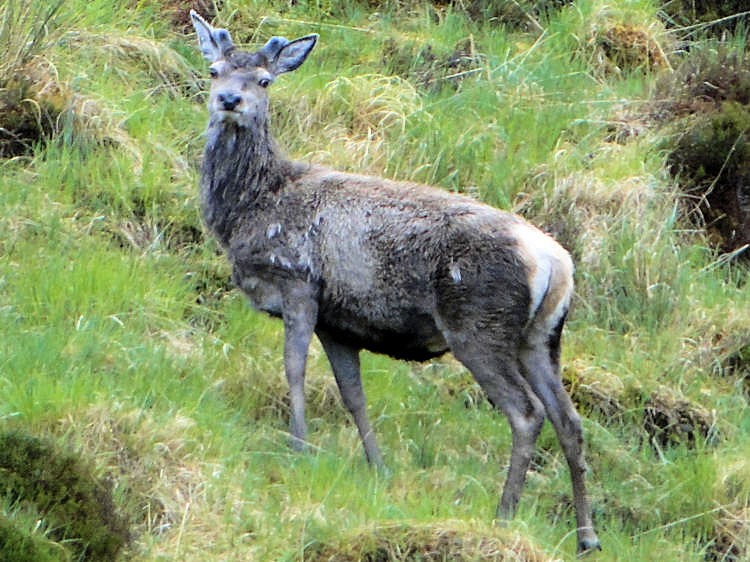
(242, 171)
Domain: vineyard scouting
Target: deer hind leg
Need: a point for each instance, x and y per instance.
(541, 368)
(345, 365)
(498, 374)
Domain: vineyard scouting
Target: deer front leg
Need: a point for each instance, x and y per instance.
(299, 313)
(345, 365)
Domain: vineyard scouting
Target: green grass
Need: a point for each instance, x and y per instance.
(124, 345)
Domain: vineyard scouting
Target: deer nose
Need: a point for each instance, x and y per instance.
(229, 101)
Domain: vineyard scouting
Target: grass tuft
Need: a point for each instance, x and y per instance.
(446, 540)
(22, 545)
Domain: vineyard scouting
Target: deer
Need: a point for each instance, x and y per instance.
(396, 268)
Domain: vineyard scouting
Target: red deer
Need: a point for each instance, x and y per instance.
(396, 268)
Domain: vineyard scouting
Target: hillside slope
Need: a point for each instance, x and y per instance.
(143, 410)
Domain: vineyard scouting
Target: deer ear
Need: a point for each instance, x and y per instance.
(293, 54)
(214, 42)
(273, 46)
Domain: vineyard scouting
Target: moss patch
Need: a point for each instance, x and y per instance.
(77, 506)
(627, 47)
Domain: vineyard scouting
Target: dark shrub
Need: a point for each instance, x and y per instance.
(716, 14)
(712, 161)
(670, 421)
(77, 507)
(706, 100)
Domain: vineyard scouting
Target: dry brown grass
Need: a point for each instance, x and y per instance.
(167, 69)
(581, 207)
(36, 106)
(360, 116)
(627, 47)
(151, 463)
(720, 338)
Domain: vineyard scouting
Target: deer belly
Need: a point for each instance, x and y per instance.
(411, 335)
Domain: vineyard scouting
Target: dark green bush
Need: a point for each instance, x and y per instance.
(77, 507)
(706, 100)
(712, 162)
(716, 14)
(715, 149)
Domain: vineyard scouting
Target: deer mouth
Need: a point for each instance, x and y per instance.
(234, 117)
(229, 114)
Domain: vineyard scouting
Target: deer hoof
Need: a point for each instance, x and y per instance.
(587, 546)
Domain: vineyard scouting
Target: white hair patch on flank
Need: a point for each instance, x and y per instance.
(548, 261)
(539, 285)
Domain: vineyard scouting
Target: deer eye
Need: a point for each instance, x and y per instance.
(264, 82)
(213, 73)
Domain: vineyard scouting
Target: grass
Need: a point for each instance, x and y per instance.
(124, 345)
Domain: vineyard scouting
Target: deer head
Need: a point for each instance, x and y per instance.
(240, 79)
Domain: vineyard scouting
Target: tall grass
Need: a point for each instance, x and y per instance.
(123, 342)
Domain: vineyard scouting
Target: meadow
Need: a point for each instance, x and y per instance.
(143, 405)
